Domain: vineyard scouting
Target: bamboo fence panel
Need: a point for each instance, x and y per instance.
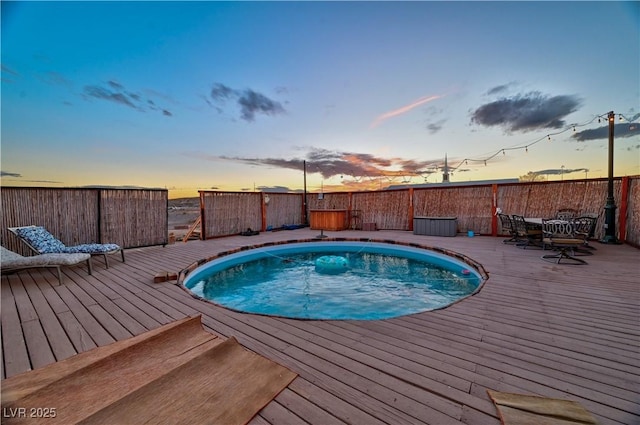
(230, 213)
(544, 199)
(134, 218)
(69, 214)
(633, 213)
(329, 201)
(283, 209)
(388, 209)
(74, 215)
(472, 205)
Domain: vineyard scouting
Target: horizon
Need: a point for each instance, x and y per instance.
(234, 96)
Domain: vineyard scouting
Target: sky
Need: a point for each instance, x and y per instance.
(237, 96)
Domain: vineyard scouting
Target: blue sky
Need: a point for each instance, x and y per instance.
(234, 95)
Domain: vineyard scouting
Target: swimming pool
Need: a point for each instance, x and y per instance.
(376, 280)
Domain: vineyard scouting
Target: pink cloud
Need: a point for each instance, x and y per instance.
(404, 109)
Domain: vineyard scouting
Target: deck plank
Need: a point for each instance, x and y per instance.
(14, 347)
(537, 328)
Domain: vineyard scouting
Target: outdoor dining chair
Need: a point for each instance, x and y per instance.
(585, 227)
(526, 233)
(40, 241)
(560, 236)
(14, 262)
(507, 225)
(566, 214)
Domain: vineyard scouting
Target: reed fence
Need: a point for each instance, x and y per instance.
(227, 213)
(129, 217)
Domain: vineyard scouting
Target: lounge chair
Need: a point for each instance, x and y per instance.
(40, 241)
(14, 262)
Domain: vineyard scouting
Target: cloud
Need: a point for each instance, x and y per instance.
(55, 79)
(620, 130)
(7, 73)
(434, 127)
(339, 163)
(105, 94)
(252, 102)
(527, 112)
(503, 88)
(8, 70)
(8, 174)
(117, 93)
(222, 92)
(249, 101)
(274, 189)
(560, 171)
(403, 109)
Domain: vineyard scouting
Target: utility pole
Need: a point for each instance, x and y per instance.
(610, 207)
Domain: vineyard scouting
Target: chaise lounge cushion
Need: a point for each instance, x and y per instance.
(42, 241)
(11, 259)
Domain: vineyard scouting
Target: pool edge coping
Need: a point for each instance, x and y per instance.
(182, 275)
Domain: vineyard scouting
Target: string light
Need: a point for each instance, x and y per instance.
(573, 127)
(391, 176)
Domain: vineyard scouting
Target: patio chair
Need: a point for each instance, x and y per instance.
(14, 262)
(566, 214)
(507, 224)
(527, 234)
(40, 241)
(585, 227)
(560, 235)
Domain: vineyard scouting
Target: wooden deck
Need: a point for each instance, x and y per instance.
(570, 332)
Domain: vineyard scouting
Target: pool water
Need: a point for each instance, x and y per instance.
(379, 283)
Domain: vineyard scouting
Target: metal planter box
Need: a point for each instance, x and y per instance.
(435, 226)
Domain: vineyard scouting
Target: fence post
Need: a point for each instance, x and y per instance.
(494, 207)
(624, 204)
(202, 220)
(263, 212)
(410, 209)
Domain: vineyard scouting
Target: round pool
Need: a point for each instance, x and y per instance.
(328, 280)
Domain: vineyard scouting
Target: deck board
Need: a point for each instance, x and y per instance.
(537, 328)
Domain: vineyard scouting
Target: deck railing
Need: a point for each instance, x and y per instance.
(475, 206)
(128, 217)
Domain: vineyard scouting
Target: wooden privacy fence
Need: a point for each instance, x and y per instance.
(129, 217)
(228, 213)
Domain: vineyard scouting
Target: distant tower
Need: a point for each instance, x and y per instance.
(445, 170)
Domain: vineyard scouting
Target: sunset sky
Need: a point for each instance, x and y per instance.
(235, 95)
